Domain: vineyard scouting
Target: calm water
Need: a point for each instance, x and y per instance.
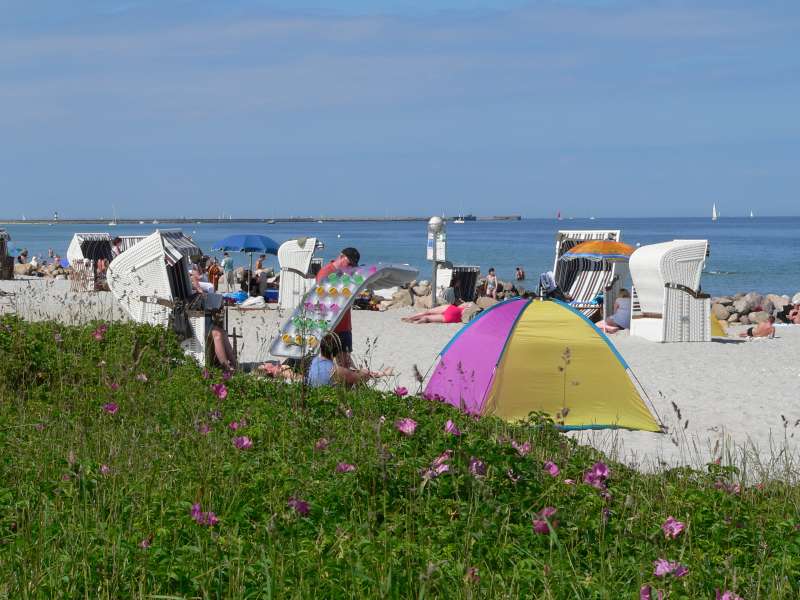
(746, 254)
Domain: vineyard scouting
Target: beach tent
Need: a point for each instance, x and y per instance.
(522, 356)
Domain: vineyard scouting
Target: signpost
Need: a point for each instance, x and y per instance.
(437, 249)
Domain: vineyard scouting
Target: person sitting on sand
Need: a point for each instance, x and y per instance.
(223, 350)
(764, 329)
(446, 313)
(324, 369)
(621, 319)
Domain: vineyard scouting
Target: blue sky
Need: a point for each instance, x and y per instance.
(257, 108)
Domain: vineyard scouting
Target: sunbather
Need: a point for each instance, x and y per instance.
(447, 313)
(621, 319)
(764, 329)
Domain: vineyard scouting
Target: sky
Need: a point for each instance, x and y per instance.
(257, 108)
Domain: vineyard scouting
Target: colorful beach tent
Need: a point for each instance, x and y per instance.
(522, 356)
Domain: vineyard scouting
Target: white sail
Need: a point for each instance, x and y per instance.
(714, 214)
(751, 213)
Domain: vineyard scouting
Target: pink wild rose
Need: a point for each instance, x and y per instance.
(672, 528)
(111, 408)
(540, 524)
(552, 469)
(665, 567)
(522, 449)
(105, 469)
(451, 428)
(141, 377)
(477, 467)
(406, 426)
(322, 444)
(344, 467)
(243, 442)
(299, 506)
(220, 390)
(726, 595)
(400, 391)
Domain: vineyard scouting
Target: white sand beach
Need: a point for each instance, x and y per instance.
(730, 393)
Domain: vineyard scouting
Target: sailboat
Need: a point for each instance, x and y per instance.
(113, 222)
(460, 220)
(558, 216)
(714, 215)
(751, 213)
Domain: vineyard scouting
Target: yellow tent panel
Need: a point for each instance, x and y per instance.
(554, 360)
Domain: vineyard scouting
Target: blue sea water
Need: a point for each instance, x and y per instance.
(761, 254)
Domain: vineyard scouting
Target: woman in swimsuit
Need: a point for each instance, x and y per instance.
(447, 313)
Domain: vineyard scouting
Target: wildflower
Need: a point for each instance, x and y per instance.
(672, 528)
(203, 428)
(512, 476)
(477, 467)
(646, 593)
(243, 442)
(300, 506)
(100, 332)
(439, 466)
(233, 425)
(65, 477)
(215, 415)
(552, 469)
(344, 467)
(220, 391)
(596, 476)
(206, 374)
(522, 449)
(726, 595)
(39, 427)
(226, 375)
(203, 518)
(141, 377)
(105, 469)
(111, 408)
(451, 428)
(145, 543)
(569, 482)
(348, 413)
(114, 386)
(400, 391)
(406, 426)
(543, 523)
(472, 575)
(382, 420)
(322, 444)
(665, 567)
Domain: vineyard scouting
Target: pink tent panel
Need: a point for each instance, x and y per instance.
(465, 371)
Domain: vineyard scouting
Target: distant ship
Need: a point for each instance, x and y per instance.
(155, 221)
(465, 218)
(271, 222)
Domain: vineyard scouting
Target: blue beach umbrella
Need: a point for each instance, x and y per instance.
(247, 242)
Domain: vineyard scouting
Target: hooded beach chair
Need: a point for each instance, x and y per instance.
(151, 282)
(667, 304)
(583, 280)
(83, 252)
(6, 261)
(296, 258)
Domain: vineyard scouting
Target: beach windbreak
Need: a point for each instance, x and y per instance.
(522, 356)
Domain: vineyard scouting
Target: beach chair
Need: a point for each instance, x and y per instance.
(6, 261)
(666, 302)
(583, 280)
(151, 282)
(83, 252)
(296, 258)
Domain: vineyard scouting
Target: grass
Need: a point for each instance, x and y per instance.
(99, 505)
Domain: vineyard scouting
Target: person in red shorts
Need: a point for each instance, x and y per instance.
(447, 313)
(348, 257)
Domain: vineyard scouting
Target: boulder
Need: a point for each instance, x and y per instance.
(733, 318)
(744, 320)
(421, 290)
(758, 316)
(754, 298)
(720, 311)
(423, 301)
(767, 306)
(743, 305)
(468, 313)
(737, 296)
(796, 298)
(724, 300)
(25, 269)
(402, 298)
(485, 302)
(778, 301)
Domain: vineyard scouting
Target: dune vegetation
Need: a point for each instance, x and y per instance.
(127, 471)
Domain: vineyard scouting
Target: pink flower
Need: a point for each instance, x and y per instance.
(406, 426)
(206, 374)
(664, 567)
(322, 444)
(522, 449)
(727, 595)
(233, 425)
(646, 593)
(596, 476)
(226, 375)
(672, 528)
(344, 467)
(203, 518)
(300, 506)
(105, 469)
(111, 408)
(141, 377)
(439, 466)
(65, 477)
(243, 442)
(451, 428)
(544, 522)
(569, 482)
(114, 386)
(400, 391)
(552, 469)
(477, 468)
(203, 428)
(348, 413)
(145, 543)
(220, 391)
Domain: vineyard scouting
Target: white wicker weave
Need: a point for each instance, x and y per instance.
(295, 257)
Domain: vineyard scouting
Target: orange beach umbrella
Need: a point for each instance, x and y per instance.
(600, 250)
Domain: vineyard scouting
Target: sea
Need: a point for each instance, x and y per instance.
(760, 253)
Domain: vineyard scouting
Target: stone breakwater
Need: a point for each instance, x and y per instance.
(752, 307)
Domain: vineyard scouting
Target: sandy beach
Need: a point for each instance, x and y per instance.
(731, 393)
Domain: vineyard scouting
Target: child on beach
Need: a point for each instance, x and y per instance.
(764, 329)
(491, 284)
(325, 370)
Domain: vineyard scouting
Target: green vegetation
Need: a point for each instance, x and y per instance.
(110, 439)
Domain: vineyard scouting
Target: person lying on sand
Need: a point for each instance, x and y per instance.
(764, 329)
(447, 313)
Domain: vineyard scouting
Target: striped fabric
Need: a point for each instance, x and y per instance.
(177, 245)
(580, 278)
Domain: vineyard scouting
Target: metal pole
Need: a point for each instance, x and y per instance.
(433, 278)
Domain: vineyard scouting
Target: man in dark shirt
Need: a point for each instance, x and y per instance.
(348, 257)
